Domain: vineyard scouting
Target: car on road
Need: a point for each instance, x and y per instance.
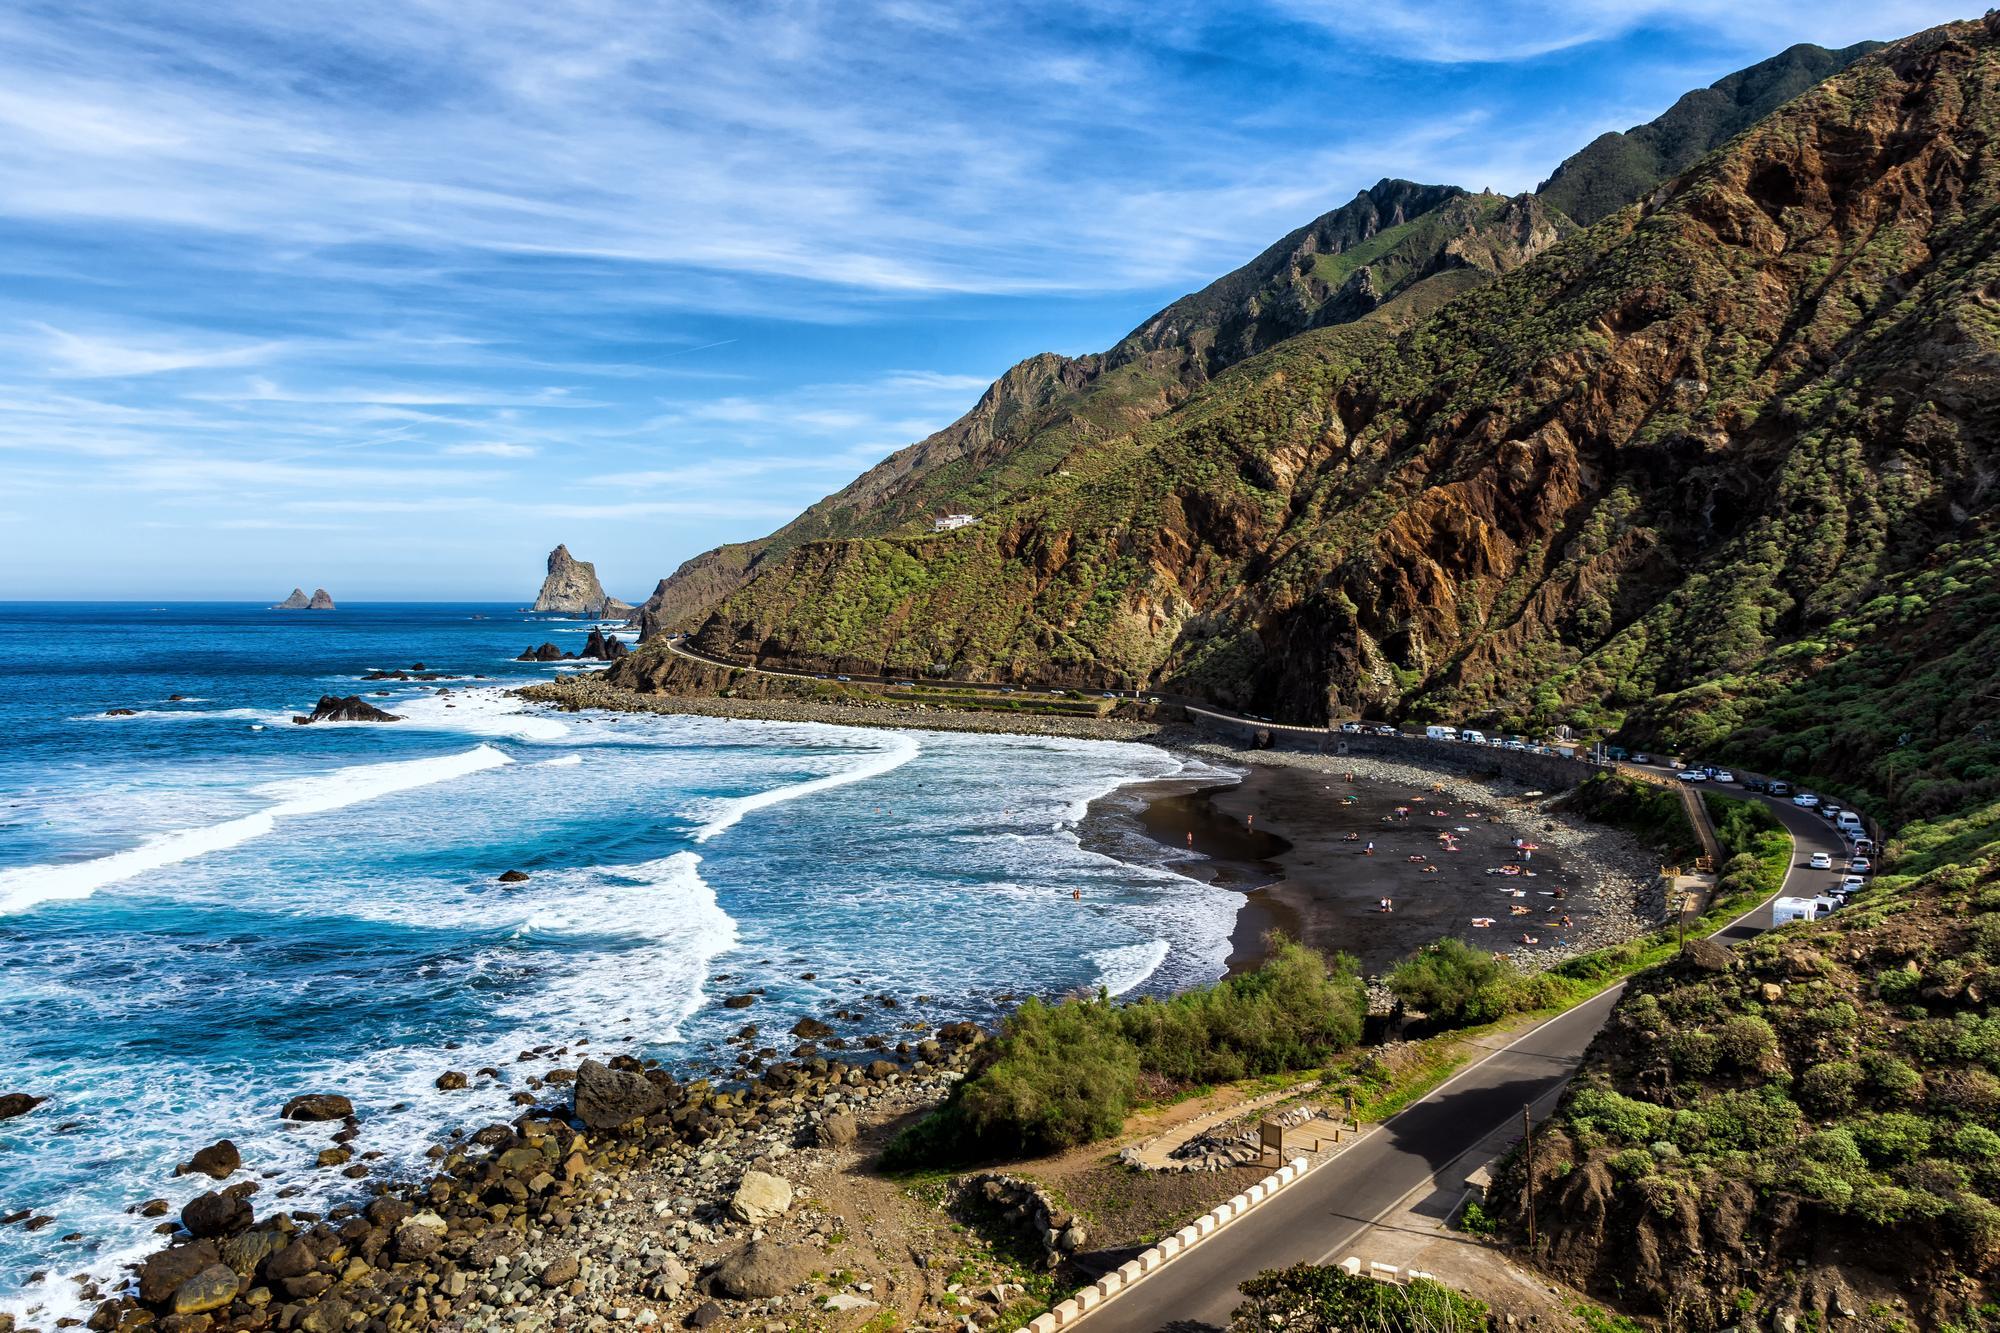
(1861, 865)
(1693, 775)
(1722, 775)
(1821, 861)
(844, 678)
(1676, 763)
(1806, 800)
(1642, 758)
(1781, 789)
(905, 684)
(1107, 695)
(1852, 884)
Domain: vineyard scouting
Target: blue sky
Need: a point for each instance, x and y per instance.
(391, 298)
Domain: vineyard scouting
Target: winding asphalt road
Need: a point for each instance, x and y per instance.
(1320, 1219)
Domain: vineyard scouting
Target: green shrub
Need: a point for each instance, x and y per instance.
(1895, 1136)
(1829, 1087)
(1975, 1143)
(1064, 1074)
(1452, 982)
(1747, 1042)
(1307, 1298)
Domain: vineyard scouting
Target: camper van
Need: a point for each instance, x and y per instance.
(1471, 737)
(1784, 910)
(1849, 823)
(1441, 733)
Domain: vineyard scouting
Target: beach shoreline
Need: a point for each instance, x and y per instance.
(1277, 835)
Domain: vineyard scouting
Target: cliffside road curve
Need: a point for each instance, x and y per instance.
(1320, 1219)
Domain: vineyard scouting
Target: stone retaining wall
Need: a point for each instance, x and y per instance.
(1549, 772)
(1026, 1209)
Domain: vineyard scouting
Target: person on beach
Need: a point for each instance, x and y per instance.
(1388, 905)
(1369, 850)
(1190, 839)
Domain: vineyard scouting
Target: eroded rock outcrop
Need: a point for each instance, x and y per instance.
(352, 708)
(572, 587)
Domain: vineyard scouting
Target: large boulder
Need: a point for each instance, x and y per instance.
(213, 1214)
(17, 1103)
(763, 1269)
(760, 1196)
(210, 1289)
(837, 1130)
(318, 1106)
(605, 1098)
(160, 1275)
(353, 708)
(811, 1029)
(218, 1161)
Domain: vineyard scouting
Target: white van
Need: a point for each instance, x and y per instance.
(1441, 733)
(1471, 737)
(1848, 822)
(1794, 909)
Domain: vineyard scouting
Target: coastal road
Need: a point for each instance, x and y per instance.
(1322, 1218)
(677, 645)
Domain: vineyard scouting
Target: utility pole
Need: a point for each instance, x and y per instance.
(1528, 1127)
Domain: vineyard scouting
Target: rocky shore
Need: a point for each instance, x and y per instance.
(636, 1200)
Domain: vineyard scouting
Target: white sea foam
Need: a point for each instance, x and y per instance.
(27, 886)
(562, 761)
(482, 712)
(728, 813)
(1127, 966)
(176, 715)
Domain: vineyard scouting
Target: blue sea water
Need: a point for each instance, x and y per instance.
(205, 909)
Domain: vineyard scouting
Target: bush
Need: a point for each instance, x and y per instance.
(1452, 982)
(1065, 1074)
(1896, 1136)
(1829, 1088)
(1307, 1298)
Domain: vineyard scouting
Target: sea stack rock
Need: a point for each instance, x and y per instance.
(600, 647)
(320, 601)
(571, 586)
(298, 601)
(333, 708)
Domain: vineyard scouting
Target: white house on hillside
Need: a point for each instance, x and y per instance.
(951, 522)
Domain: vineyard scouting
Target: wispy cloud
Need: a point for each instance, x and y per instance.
(490, 449)
(79, 356)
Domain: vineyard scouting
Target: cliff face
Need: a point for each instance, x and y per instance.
(1391, 252)
(1699, 438)
(571, 586)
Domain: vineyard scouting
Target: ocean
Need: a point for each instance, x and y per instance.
(205, 909)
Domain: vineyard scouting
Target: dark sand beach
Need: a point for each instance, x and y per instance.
(1294, 835)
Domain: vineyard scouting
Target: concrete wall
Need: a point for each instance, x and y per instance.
(1549, 772)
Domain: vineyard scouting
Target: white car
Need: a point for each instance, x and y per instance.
(1821, 861)
(1852, 884)
(1642, 759)
(1806, 799)
(1693, 775)
(1861, 865)
(1723, 775)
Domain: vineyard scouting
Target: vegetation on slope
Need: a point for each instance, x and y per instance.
(1826, 1095)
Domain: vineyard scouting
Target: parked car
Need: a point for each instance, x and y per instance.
(1821, 861)
(1861, 865)
(1864, 846)
(1722, 775)
(1642, 758)
(1852, 884)
(1781, 789)
(844, 678)
(1676, 763)
(1693, 775)
(1805, 799)
(1755, 784)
